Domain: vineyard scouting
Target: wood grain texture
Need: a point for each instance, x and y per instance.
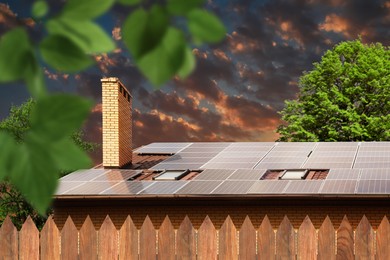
(8, 240)
(207, 240)
(266, 240)
(88, 240)
(307, 240)
(364, 240)
(285, 240)
(50, 241)
(247, 244)
(383, 240)
(29, 241)
(186, 241)
(166, 240)
(128, 240)
(345, 241)
(228, 240)
(69, 240)
(108, 240)
(147, 240)
(326, 241)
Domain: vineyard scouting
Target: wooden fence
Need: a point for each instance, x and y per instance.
(188, 243)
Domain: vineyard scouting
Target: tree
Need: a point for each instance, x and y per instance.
(346, 97)
(159, 37)
(12, 202)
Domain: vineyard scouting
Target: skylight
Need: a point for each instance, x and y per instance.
(170, 175)
(293, 174)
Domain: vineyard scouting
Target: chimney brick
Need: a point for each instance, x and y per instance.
(117, 123)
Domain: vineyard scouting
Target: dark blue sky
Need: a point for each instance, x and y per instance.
(239, 85)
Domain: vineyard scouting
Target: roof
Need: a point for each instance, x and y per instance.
(245, 169)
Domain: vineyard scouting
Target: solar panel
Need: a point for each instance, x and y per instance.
(247, 149)
(247, 174)
(91, 188)
(158, 150)
(335, 148)
(252, 144)
(329, 162)
(363, 153)
(343, 174)
(202, 150)
(374, 149)
(268, 187)
(191, 155)
(64, 186)
(339, 187)
(372, 159)
(365, 165)
(373, 187)
(375, 174)
(117, 175)
(316, 154)
(191, 160)
(328, 165)
(278, 166)
(295, 144)
(302, 186)
(167, 144)
(199, 187)
(240, 154)
(127, 187)
(209, 144)
(234, 165)
(299, 160)
(288, 154)
(84, 175)
(375, 144)
(231, 160)
(337, 144)
(233, 187)
(214, 174)
(164, 187)
(177, 166)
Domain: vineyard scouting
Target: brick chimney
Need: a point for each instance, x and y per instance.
(117, 124)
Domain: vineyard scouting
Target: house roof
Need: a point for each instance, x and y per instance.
(245, 169)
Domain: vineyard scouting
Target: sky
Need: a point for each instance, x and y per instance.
(239, 85)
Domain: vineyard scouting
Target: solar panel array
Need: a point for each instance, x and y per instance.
(237, 168)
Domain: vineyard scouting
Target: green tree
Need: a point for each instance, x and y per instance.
(12, 202)
(159, 37)
(346, 97)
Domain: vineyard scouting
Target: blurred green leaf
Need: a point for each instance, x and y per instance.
(7, 154)
(57, 116)
(34, 77)
(64, 55)
(39, 9)
(143, 30)
(87, 35)
(85, 9)
(14, 50)
(188, 65)
(163, 62)
(205, 27)
(182, 7)
(129, 2)
(68, 156)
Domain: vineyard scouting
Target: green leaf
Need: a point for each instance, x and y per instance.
(8, 146)
(57, 116)
(205, 27)
(188, 65)
(64, 55)
(86, 9)
(39, 9)
(143, 30)
(34, 77)
(129, 2)
(14, 49)
(181, 7)
(87, 35)
(68, 156)
(162, 63)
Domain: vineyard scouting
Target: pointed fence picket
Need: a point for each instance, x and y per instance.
(186, 243)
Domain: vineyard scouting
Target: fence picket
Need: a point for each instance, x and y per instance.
(285, 240)
(186, 241)
(29, 241)
(147, 240)
(266, 240)
(166, 240)
(345, 240)
(228, 240)
(207, 240)
(383, 240)
(364, 241)
(50, 241)
(8, 240)
(128, 240)
(247, 248)
(108, 240)
(326, 241)
(69, 239)
(307, 242)
(88, 240)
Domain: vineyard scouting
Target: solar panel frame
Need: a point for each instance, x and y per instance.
(198, 187)
(64, 186)
(375, 174)
(84, 175)
(278, 166)
(247, 174)
(343, 174)
(373, 187)
(339, 187)
(127, 188)
(92, 188)
(240, 154)
(233, 165)
(304, 187)
(371, 165)
(268, 187)
(233, 187)
(117, 175)
(214, 174)
(163, 187)
(177, 166)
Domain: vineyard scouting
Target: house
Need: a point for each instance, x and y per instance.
(219, 179)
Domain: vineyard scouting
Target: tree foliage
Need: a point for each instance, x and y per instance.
(346, 97)
(12, 202)
(159, 48)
